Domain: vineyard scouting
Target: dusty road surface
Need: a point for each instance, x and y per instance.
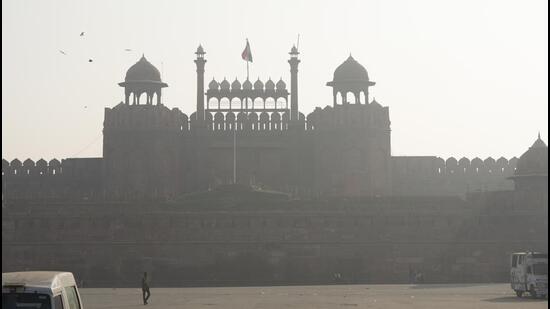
(447, 296)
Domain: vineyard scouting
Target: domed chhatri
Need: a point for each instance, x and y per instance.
(224, 85)
(532, 167)
(269, 85)
(258, 85)
(142, 77)
(247, 85)
(351, 77)
(235, 85)
(281, 85)
(213, 85)
(351, 70)
(534, 161)
(142, 70)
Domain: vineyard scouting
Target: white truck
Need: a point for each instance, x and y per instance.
(529, 273)
(40, 289)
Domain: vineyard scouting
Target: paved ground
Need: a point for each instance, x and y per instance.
(469, 296)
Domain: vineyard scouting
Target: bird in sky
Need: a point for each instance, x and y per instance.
(64, 53)
(127, 49)
(82, 33)
(90, 60)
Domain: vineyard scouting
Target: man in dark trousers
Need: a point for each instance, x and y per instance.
(145, 288)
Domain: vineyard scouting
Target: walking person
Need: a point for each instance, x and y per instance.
(145, 288)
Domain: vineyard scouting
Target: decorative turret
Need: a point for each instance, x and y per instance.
(142, 77)
(213, 85)
(224, 85)
(532, 168)
(258, 85)
(247, 85)
(352, 77)
(281, 85)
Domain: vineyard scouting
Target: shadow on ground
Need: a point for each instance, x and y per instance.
(437, 286)
(514, 299)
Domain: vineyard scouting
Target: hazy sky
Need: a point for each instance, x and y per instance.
(461, 78)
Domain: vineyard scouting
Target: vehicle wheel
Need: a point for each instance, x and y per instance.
(532, 291)
(519, 293)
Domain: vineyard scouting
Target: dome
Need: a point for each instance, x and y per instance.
(350, 70)
(534, 161)
(247, 85)
(142, 70)
(213, 85)
(236, 85)
(269, 85)
(281, 85)
(224, 84)
(258, 85)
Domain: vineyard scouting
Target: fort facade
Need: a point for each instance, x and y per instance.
(248, 190)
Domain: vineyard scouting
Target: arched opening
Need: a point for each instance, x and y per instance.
(253, 117)
(264, 121)
(338, 98)
(235, 103)
(218, 122)
(212, 102)
(281, 103)
(258, 103)
(230, 121)
(275, 121)
(269, 103)
(223, 103)
(350, 98)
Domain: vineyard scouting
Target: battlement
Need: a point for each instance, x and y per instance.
(68, 178)
(145, 117)
(432, 175)
(30, 168)
(371, 115)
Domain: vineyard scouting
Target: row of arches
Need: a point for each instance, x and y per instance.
(239, 103)
(350, 97)
(264, 121)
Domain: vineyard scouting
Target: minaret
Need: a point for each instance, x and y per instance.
(200, 61)
(294, 61)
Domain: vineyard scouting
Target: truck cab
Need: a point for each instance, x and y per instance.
(529, 273)
(40, 289)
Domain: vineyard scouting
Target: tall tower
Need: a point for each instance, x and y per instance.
(294, 61)
(200, 61)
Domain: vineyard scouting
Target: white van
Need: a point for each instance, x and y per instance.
(529, 273)
(40, 289)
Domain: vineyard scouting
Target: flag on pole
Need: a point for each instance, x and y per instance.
(247, 54)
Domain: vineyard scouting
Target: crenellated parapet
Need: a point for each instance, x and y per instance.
(29, 168)
(145, 117)
(373, 116)
(68, 178)
(248, 121)
(437, 176)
